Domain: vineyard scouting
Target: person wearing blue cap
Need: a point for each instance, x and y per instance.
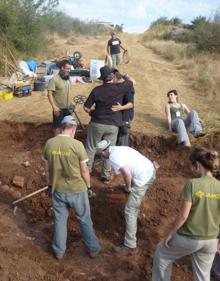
(68, 178)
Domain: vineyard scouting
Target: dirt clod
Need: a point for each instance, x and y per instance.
(18, 181)
(5, 188)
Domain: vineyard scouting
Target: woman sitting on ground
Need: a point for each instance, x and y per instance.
(175, 112)
(196, 227)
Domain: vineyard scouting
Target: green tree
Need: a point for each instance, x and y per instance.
(198, 21)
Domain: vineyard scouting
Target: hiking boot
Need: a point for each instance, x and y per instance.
(185, 144)
(199, 135)
(58, 257)
(93, 255)
(91, 193)
(124, 250)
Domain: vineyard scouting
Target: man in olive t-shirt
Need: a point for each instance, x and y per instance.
(68, 175)
(59, 94)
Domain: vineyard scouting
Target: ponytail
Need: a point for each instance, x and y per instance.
(207, 157)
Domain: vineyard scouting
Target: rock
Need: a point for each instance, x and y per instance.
(26, 164)
(16, 194)
(5, 188)
(0, 183)
(18, 181)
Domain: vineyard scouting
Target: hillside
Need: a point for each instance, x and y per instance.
(25, 125)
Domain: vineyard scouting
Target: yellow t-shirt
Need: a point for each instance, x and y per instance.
(64, 155)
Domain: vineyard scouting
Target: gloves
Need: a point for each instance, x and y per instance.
(91, 193)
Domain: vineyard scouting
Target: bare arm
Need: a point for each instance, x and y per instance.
(108, 49)
(168, 115)
(218, 248)
(46, 168)
(180, 220)
(84, 170)
(186, 109)
(122, 47)
(51, 101)
(119, 107)
(86, 109)
(126, 174)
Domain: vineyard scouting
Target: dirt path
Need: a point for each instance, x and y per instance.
(154, 77)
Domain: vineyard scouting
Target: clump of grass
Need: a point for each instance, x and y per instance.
(169, 50)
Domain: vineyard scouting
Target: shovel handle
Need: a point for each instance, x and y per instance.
(29, 195)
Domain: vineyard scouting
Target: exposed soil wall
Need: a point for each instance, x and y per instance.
(24, 142)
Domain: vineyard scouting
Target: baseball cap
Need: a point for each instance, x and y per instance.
(69, 120)
(102, 145)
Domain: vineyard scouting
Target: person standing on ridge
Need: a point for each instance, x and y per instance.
(113, 49)
(59, 95)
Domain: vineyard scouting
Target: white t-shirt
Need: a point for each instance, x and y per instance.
(140, 167)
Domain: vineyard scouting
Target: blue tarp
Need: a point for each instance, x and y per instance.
(32, 64)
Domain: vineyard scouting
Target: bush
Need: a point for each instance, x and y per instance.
(206, 36)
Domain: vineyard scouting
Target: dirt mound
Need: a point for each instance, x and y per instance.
(24, 142)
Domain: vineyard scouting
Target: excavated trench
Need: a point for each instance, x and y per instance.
(22, 143)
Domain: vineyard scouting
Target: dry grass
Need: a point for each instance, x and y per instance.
(202, 70)
(167, 49)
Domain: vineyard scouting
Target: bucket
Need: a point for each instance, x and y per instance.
(39, 85)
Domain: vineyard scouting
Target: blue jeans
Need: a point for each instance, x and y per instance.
(191, 123)
(62, 202)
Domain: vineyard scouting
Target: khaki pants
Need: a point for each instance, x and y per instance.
(115, 59)
(132, 209)
(202, 251)
(97, 132)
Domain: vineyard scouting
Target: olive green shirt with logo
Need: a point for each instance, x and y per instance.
(204, 218)
(64, 155)
(61, 91)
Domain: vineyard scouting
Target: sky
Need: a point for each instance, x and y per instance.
(137, 15)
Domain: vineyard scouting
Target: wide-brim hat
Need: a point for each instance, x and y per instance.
(103, 145)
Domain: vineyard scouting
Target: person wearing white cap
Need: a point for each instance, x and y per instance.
(138, 173)
(68, 176)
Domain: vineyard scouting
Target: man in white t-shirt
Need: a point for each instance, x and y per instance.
(138, 173)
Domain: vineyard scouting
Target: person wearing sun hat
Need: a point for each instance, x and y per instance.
(68, 176)
(139, 174)
(105, 121)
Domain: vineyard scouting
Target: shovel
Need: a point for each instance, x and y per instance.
(14, 203)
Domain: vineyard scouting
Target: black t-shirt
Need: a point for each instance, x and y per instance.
(128, 115)
(114, 45)
(104, 97)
